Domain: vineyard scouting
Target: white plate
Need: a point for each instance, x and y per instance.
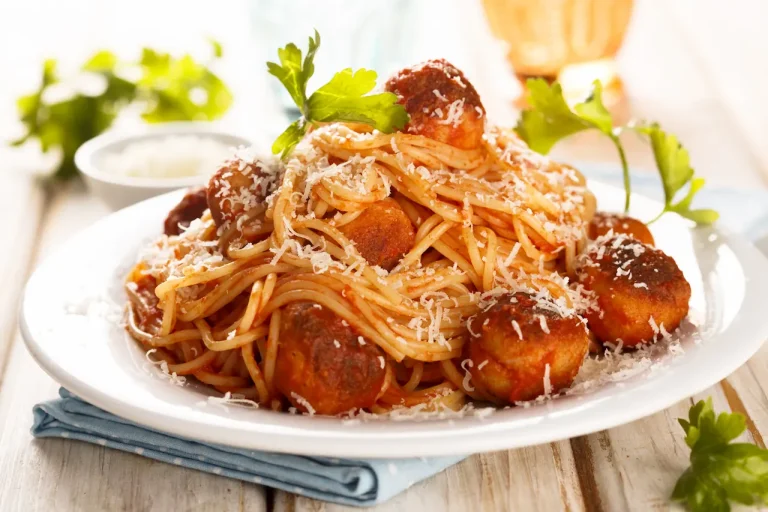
(68, 321)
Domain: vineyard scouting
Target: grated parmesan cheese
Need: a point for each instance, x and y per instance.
(172, 377)
(519, 332)
(236, 400)
(547, 381)
(303, 402)
(543, 324)
(465, 364)
(654, 326)
(455, 113)
(439, 95)
(174, 156)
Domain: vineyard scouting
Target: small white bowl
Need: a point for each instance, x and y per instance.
(119, 191)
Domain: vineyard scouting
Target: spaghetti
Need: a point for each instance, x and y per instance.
(222, 301)
(508, 219)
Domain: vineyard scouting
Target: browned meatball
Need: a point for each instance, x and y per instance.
(382, 233)
(443, 105)
(515, 340)
(638, 288)
(191, 207)
(602, 223)
(238, 187)
(321, 362)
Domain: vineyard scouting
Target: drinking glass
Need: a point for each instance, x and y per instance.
(572, 41)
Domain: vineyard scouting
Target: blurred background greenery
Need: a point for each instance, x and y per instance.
(62, 114)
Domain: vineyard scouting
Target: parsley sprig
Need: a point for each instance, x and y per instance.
(720, 470)
(344, 98)
(550, 119)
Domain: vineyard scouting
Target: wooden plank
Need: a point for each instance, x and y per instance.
(22, 206)
(539, 478)
(63, 475)
(736, 404)
(746, 391)
(635, 466)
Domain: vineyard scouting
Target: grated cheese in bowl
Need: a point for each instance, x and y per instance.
(125, 168)
(174, 156)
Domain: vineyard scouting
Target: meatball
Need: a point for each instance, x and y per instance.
(382, 233)
(639, 291)
(515, 342)
(602, 223)
(238, 187)
(191, 207)
(323, 364)
(441, 102)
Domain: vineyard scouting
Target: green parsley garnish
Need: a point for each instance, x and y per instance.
(342, 99)
(164, 87)
(550, 119)
(720, 470)
(674, 166)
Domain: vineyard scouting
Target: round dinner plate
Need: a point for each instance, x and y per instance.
(72, 317)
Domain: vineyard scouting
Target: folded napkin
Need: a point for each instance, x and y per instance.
(349, 482)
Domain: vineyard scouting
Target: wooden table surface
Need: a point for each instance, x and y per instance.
(702, 75)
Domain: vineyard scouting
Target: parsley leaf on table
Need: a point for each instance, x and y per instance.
(549, 120)
(720, 471)
(167, 88)
(344, 98)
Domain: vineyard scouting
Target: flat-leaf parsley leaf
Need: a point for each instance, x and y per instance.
(720, 471)
(344, 98)
(549, 120)
(673, 163)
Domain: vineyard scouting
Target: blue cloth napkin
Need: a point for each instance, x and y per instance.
(349, 482)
